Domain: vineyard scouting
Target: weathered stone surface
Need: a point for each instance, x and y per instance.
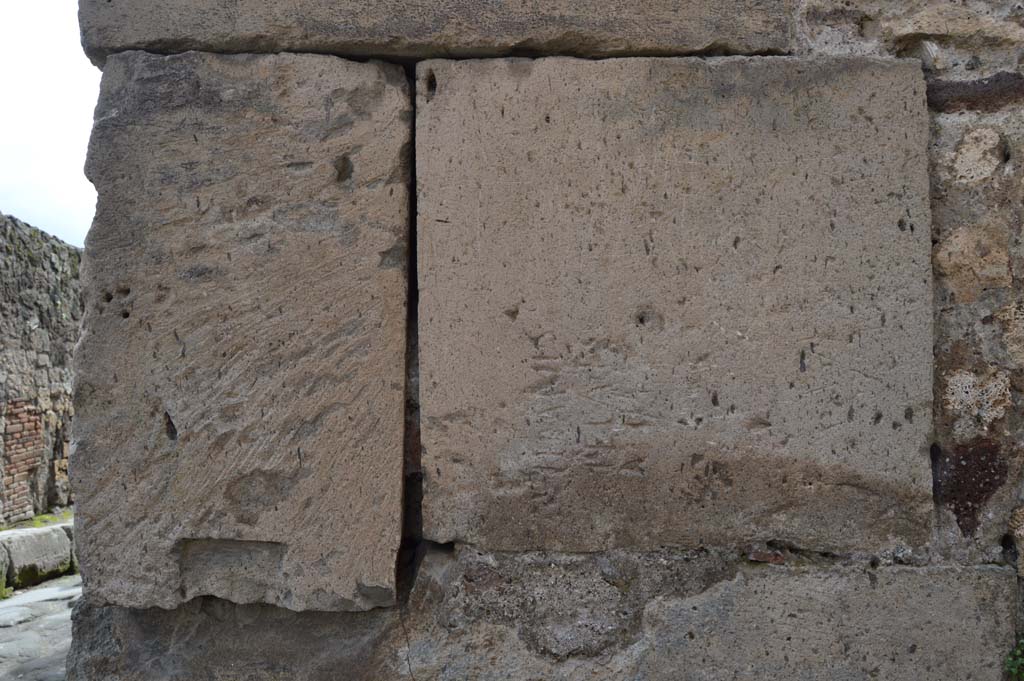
(959, 40)
(225, 641)
(843, 625)
(950, 22)
(239, 385)
(424, 28)
(36, 554)
(615, 617)
(677, 302)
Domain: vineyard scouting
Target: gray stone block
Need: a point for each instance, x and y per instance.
(674, 302)
(240, 381)
(35, 554)
(380, 28)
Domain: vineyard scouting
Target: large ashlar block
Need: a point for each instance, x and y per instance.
(674, 302)
(240, 380)
(445, 28)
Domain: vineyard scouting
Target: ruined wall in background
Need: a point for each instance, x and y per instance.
(40, 314)
(713, 362)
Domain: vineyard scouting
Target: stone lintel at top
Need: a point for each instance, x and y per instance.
(450, 28)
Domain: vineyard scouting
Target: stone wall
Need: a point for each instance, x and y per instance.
(502, 361)
(40, 314)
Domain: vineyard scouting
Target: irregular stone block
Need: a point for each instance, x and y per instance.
(615, 617)
(999, 90)
(674, 302)
(439, 29)
(240, 384)
(35, 554)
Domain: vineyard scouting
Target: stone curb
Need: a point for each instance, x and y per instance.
(33, 555)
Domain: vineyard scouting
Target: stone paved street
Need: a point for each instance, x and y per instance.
(35, 630)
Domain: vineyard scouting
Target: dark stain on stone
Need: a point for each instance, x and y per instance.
(255, 492)
(719, 493)
(965, 477)
(393, 258)
(200, 272)
(986, 94)
(312, 425)
(336, 126)
(377, 596)
(343, 168)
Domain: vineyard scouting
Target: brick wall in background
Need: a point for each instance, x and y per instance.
(23, 455)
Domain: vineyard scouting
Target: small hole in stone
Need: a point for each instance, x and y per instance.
(431, 84)
(125, 314)
(170, 428)
(1009, 545)
(343, 167)
(108, 296)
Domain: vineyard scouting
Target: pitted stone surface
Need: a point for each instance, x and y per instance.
(432, 28)
(843, 625)
(674, 302)
(239, 386)
(614, 617)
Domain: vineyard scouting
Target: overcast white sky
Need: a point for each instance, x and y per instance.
(48, 91)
